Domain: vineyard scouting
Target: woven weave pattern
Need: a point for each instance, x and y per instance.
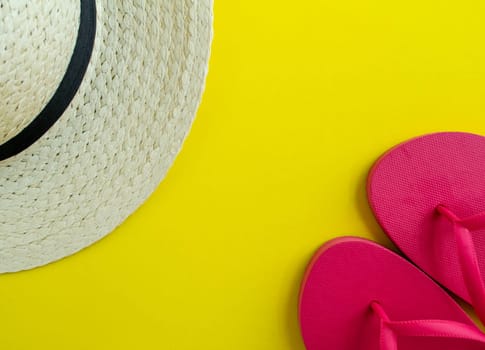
(36, 44)
(116, 141)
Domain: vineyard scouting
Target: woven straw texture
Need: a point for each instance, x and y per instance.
(117, 139)
(36, 44)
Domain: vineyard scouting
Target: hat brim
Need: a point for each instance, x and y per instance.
(117, 139)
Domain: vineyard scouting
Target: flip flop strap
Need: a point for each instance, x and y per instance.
(390, 330)
(467, 256)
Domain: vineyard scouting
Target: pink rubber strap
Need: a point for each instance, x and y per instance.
(390, 330)
(467, 256)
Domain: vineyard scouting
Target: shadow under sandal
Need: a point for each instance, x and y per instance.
(428, 194)
(358, 295)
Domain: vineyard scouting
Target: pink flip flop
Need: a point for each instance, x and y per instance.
(428, 194)
(357, 295)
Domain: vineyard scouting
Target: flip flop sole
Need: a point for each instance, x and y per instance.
(346, 275)
(407, 184)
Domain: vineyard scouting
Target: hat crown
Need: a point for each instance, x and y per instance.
(36, 43)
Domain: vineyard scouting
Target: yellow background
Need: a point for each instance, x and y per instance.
(301, 98)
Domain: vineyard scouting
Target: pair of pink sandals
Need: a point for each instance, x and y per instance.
(428, 194)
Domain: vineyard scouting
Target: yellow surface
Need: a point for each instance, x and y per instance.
(301, 98)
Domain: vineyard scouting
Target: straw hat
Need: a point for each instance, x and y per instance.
(97, 97)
